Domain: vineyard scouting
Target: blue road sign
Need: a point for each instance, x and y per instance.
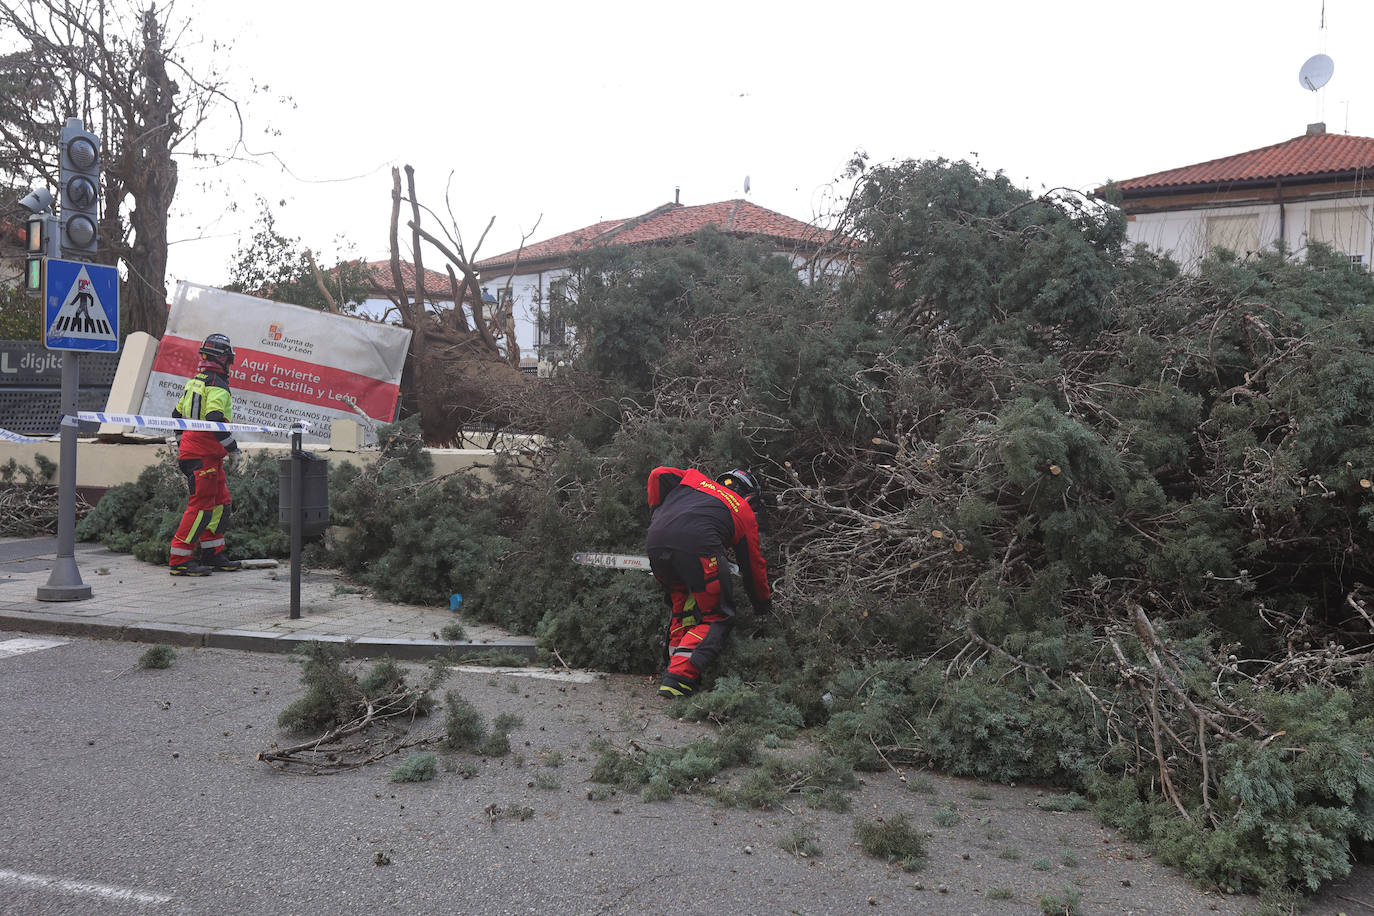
(80, 306)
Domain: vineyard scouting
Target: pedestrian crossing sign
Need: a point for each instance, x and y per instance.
(81, 306)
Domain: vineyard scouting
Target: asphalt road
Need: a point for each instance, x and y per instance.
(137, 791)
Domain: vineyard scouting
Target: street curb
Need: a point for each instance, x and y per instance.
(56, 626)
(258, 641)
(159, 633)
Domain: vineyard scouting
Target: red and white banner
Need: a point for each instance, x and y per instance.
(290, 362)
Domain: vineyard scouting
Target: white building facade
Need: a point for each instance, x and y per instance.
(536, 277)
(1315, 187)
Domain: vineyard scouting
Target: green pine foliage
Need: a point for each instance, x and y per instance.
(1290, 811)
(332, 692)
(975, 247)
(1069, 801)
(420, 767)
(465, 728)
(1031, 491)
(335, 695)
(892, 839)
(159, 656)
(821, 780)
(43, 472)
(662, 772)
(1070, 426)
(800, 843)
(1069, 903)
(410, 537)
(731, 699)
(618, 626)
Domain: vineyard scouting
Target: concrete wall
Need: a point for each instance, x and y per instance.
(101, 465)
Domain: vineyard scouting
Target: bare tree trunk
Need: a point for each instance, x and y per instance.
(410, 374)
(320, 284)
(151, 176)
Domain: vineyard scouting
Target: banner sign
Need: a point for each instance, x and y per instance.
(291, 363)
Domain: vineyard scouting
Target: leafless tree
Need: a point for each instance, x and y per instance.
(123, 69)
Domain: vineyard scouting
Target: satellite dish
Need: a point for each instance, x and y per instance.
(746, 184)
(1316, 73)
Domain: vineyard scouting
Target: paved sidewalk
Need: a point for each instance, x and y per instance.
(250, 609)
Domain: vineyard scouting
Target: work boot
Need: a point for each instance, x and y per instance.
(220, 563)
(674, 687)
(189, 569)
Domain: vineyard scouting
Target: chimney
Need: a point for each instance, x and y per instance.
(1317, 129)
(677, 195)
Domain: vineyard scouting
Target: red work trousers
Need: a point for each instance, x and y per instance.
(207, 510)
(703, 611)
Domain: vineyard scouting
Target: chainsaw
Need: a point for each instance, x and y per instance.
(621, 561)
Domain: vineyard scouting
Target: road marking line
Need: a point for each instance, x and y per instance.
(86, 888)
(10, 647)
(576, 677)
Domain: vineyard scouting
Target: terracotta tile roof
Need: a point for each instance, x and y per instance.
(436, 283)
(670, 222)
(556, 246)
(1311, 155)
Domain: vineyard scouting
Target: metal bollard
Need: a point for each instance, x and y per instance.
(297, 518)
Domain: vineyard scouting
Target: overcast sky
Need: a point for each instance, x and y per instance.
(577, 112)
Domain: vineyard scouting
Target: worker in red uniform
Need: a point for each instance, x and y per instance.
(200, 456)
(693, 520)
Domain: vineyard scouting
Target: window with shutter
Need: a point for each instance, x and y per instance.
(1238, 233)
(1345, 229)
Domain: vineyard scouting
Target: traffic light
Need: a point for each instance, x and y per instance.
(80, 189)
(35, 247)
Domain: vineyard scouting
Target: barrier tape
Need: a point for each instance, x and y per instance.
(129, 419)
(8, 436)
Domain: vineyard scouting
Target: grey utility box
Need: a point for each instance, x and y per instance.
(314, 494)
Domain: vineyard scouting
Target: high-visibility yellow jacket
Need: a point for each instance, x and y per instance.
(206, 397)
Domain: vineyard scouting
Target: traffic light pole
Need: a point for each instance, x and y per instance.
(64, 582)
(79, 194)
